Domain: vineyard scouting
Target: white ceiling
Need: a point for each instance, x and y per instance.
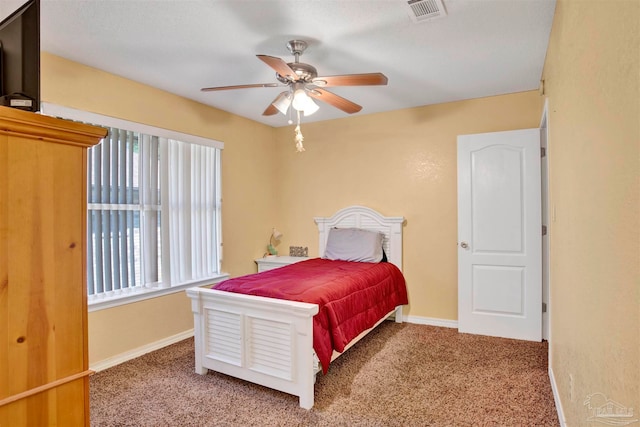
(481, 48)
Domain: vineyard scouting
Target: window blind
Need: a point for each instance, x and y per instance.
(154, 207)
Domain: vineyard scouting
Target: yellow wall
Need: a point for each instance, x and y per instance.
(401, 163)
(592, 75)
(248, 198)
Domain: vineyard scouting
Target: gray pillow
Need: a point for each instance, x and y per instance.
(354, 244)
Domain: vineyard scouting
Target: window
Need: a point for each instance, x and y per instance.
(124, 213)
(153, 211)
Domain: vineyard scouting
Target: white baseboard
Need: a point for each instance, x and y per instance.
(431, 321)
(556, 398)
(148, 348)
(137, 352)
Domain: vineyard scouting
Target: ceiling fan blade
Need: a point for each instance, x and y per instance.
(211, 89)
(370, 79)
(335, 100)
(280, 66)
(270, 111)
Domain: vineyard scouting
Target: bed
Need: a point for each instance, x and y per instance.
(270, 341)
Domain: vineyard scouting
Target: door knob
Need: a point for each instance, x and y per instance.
(464, 245)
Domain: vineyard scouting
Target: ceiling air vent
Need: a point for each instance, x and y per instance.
(425, 10)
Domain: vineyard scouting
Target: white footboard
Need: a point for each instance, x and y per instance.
(262, 340)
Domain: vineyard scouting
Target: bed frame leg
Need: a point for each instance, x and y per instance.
(306, 400)
(307, 373)
(399, 314)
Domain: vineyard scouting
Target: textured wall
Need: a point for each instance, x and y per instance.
(248, 162)
(592, 76)
(401, 163)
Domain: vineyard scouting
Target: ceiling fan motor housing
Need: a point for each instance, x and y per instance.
(305, 72)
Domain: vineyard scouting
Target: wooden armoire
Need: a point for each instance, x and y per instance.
(44, 367)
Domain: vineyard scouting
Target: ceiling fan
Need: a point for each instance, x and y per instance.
(304, 84)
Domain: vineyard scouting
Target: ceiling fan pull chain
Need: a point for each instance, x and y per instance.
(299, 138)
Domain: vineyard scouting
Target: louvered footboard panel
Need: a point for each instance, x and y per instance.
(270, 347)
(262, 345)
(224, 336)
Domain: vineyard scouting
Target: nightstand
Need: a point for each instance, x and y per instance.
(271, 262)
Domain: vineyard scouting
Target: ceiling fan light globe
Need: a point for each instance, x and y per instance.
(283, 108)
(310, 108)
(300, 99)
(282, 103)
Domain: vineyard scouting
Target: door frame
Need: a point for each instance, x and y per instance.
(546, 220)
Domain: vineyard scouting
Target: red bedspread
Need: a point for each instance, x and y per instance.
(352, 296)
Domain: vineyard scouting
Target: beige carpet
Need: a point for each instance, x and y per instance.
(400, 375)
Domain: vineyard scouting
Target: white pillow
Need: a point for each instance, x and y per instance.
(354, 244)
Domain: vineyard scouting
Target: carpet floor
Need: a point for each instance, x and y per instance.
(399, 375)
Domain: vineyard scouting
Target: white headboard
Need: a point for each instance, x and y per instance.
(368, 219)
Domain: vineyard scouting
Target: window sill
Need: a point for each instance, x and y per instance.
(141, 294)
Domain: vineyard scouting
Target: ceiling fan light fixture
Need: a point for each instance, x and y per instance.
(302, 102)
(311, 107)
(283, 102)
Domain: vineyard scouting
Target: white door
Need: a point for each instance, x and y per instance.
(499, 234)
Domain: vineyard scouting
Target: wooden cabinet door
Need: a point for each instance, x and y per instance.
(43, 311)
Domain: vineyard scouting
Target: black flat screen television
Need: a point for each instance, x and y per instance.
(20, 58)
